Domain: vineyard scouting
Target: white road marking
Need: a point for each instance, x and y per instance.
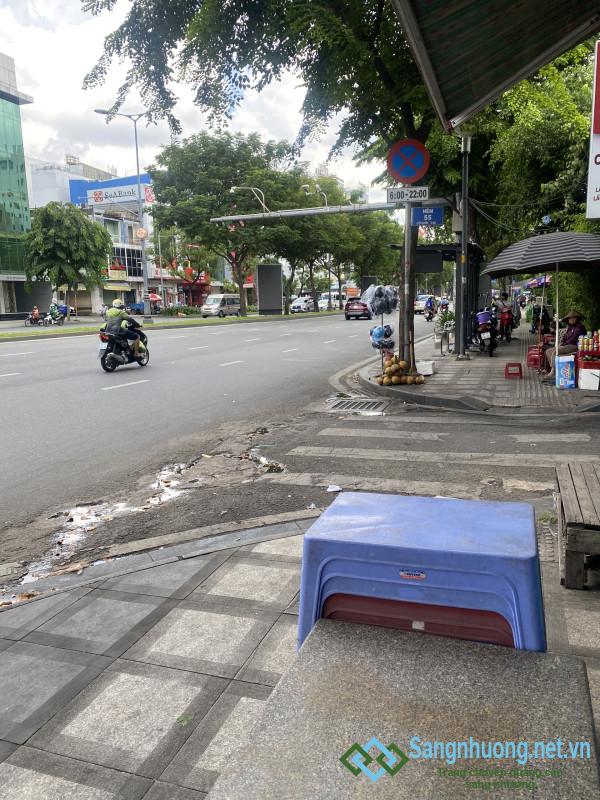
(285, 334)
(253, 340)
(550, 437)
(183, 336)
(376, 433)
(291, 350)
(199, 347)
(8, 374)
(122, 385)
(542, 461)
(329, 341)
(353, 336)
(230, 363)
(214, 333)
(9, 355)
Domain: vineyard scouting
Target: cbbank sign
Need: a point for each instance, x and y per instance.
(119, 194)
(593, 189)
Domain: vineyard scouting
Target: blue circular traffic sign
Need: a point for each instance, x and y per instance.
(408, 160)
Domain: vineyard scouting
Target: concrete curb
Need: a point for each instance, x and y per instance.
(168, 326)
(418, 396)
(224, 537)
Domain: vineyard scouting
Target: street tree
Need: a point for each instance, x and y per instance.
(66, 248)
(193, 182)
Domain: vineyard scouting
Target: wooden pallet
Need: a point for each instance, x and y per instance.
(578, 519)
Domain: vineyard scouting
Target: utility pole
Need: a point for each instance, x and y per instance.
(408, 274)
(461, 276)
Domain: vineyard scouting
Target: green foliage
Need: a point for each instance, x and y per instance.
(581, 291)
(189, 311)
(65, 247)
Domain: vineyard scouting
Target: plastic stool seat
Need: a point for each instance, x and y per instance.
(513, 369)
(439, 552)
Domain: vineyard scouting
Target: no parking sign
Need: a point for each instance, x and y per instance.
(408, 160)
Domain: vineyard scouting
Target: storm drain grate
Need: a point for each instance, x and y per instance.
(547, 545)
(359, 404)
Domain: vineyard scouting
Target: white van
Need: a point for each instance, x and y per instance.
(221, 305)
(335, 299)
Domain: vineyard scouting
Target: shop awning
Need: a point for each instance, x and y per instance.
(117, 287)
(470, 51)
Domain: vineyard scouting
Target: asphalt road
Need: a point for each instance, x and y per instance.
(71, 433)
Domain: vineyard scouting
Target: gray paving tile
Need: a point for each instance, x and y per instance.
(221, 735)
(94, 573)
(15, 623)
(134, 717)
(206, 638)
(166, 791)
(275, 654)
(176, 579)
(36, 681)
(34, 775)
(294, 606)
(104, 622)
(289, 547)
(267, 584)
(6, 748)
(5, 644)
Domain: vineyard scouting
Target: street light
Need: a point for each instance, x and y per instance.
(258, 193)
(135, 118)
(317, 190)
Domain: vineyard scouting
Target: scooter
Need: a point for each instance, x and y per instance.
(116, 351)
(486, 331)
(57, 319)
(506, 324)
(429, 314)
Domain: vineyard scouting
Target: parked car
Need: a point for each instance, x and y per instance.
(420, 302)
(134, 308)
(356, 309)
(301, 305)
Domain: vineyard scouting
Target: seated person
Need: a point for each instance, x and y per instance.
(35, 314)
(535, 320)
(118, 322)
(568, 344)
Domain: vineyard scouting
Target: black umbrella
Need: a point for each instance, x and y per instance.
(565, 251)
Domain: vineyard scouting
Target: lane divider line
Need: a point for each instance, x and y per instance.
(199, 347)
(9, 355)
(122, 385)
(230, 363)
(291, 350)
(8, 374)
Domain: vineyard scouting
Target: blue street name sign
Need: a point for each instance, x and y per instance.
(428, 216)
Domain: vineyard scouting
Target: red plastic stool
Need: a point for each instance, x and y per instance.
(513, 369)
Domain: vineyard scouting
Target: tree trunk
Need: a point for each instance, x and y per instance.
(238, 274)
(411, 305)
(401, 307)
(287, 291)
(311, 283)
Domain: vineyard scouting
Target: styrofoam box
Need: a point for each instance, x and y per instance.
(589, 379)
(425, 367)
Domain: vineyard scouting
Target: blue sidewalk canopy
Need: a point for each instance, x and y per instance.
(470, 51)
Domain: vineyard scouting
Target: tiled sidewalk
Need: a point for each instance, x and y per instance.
(145, 686)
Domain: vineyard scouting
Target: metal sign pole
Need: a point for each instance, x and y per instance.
(407, 280)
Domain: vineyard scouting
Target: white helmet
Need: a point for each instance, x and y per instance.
(117, 304)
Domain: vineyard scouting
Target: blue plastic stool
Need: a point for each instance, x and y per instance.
(462, 554)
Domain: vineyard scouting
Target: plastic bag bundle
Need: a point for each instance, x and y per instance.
(380, 299)
(381, 337)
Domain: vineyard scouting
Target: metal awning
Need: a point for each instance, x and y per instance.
(470, 51)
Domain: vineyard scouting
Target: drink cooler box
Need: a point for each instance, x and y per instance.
(461, 568)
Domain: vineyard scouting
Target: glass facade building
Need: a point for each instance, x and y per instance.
(14, 202)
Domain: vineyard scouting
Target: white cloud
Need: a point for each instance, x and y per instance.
(54, 44)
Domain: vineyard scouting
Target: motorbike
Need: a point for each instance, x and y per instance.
(31, 320)
(116, 351)
(429, 314)
(506, 324)
(485, 331)
(56, 319)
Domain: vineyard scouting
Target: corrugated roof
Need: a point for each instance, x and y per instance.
(470, 51)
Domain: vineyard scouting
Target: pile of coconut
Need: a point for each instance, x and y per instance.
(396, 372)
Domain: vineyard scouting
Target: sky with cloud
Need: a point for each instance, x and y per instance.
(54, 44)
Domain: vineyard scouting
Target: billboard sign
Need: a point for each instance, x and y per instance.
(593, 193)
(119, 194)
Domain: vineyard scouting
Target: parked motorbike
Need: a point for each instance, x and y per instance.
(116, 351)
(485, 331)
(506, 324)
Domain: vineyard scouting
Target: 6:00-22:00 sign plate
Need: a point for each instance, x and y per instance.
(407, 194)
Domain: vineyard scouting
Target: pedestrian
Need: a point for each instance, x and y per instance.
(568, 344)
